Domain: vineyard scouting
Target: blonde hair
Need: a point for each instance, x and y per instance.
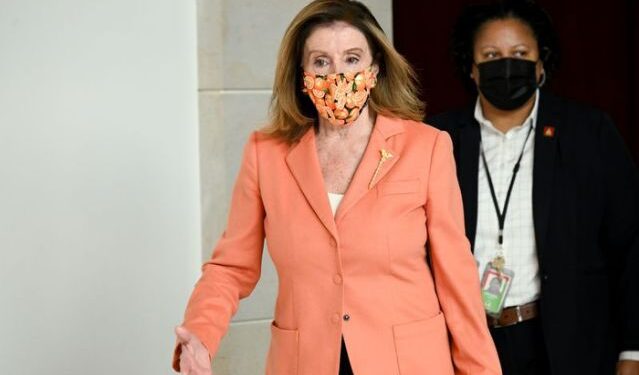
(396, 94)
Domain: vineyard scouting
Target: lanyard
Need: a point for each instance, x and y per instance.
(501, 215)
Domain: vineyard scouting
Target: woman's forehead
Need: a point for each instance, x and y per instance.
(335, 37)
(504, 33)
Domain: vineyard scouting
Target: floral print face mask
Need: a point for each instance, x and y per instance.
(339, 97)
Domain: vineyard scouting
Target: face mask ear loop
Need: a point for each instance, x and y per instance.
(471, 69)
(543, 80)
(543, 73)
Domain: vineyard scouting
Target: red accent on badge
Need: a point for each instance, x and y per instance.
(549, 131)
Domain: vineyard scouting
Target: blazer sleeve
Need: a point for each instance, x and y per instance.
(235, 266)
(454, 268)
(621, 228)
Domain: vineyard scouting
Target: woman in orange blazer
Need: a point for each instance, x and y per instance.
(357, 291)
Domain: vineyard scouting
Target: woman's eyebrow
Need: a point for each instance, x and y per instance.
(316, 51)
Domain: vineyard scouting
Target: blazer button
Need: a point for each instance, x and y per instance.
(335, 318)
(347, 317)
(337, 279)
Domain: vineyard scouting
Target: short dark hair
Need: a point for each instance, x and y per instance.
(473, 17)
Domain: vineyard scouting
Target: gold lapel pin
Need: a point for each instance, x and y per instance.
(384, 155)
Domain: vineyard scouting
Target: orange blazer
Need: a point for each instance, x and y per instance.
(362, 274)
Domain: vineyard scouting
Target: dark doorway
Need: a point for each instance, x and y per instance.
(599, 55)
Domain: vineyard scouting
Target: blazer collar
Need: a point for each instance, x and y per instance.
(547, 136)
(467, 149)
(303, 163)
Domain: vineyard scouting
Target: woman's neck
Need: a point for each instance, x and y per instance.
(505, 120)
(361, 127)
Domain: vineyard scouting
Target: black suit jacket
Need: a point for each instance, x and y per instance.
(586, 217)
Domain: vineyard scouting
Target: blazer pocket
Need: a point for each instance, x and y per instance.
(422, 347)
(399, 187)
(283, 352)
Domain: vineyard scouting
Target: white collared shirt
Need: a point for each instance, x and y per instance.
(520, 248)
(334, 200)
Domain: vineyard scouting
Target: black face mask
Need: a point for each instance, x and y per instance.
(507, 83)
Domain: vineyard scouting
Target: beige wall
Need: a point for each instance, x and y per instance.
(238, 42)
(99, 188)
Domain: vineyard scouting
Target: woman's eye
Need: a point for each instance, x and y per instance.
(352, 60)
(320, 63)
(490, 55)
(520, 53)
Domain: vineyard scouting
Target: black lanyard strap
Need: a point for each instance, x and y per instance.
(501, 216)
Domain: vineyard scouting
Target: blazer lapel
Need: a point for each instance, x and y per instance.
(467, 172)
(546, 134)
(303, 162)
(366, 177)
(466, 148)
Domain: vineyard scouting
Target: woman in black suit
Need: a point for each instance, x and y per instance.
(551, 201)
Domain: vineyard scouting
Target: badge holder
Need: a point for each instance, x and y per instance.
(495, 285)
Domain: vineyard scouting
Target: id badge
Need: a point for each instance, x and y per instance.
(495, 285)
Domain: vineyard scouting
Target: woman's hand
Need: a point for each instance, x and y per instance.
(194, 357)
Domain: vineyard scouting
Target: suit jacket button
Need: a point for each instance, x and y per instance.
(347, 317)
(337, 279)
(335, 318)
